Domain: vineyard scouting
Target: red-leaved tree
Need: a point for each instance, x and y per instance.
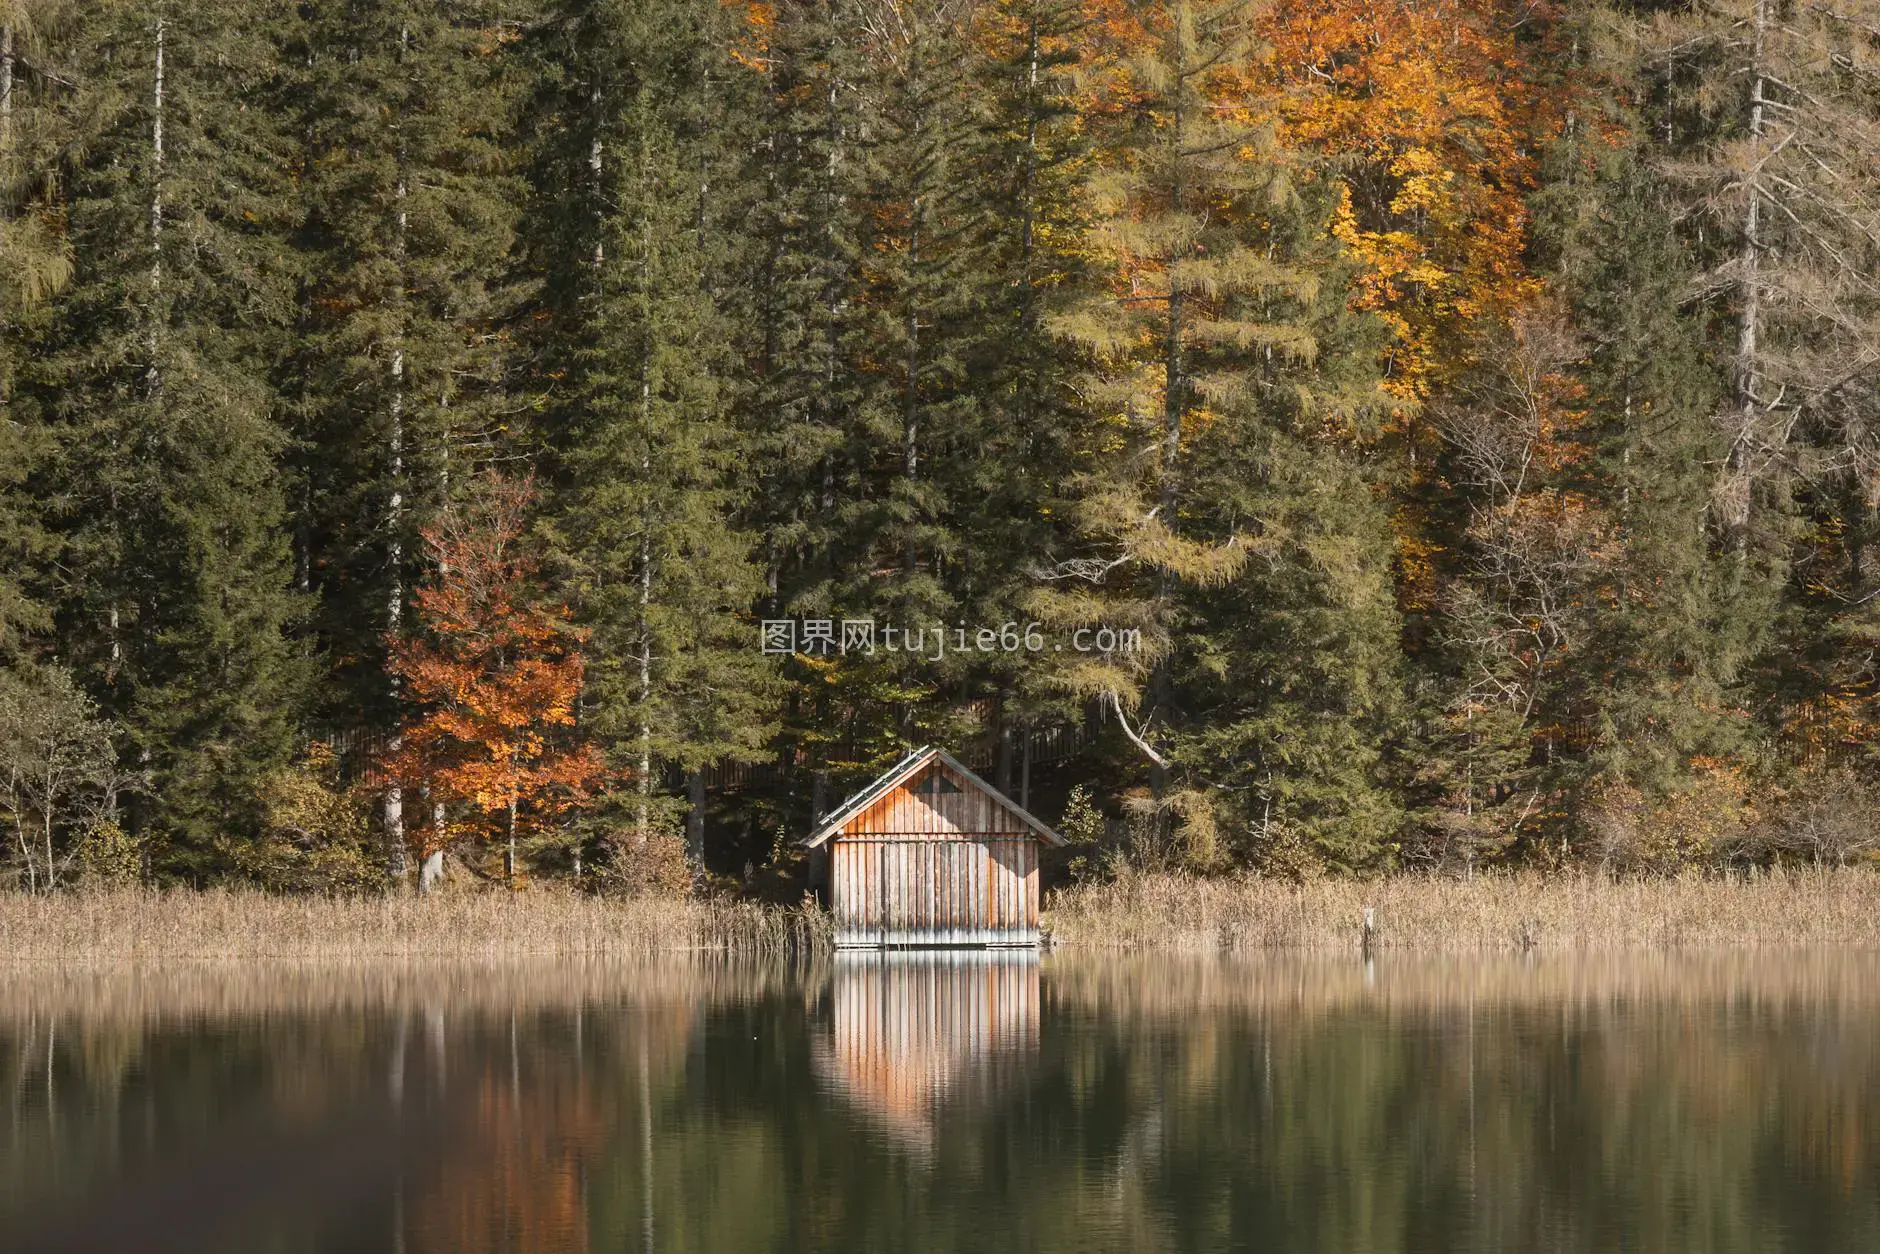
(493, 672)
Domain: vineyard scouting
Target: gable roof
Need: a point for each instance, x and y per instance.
(905, 770)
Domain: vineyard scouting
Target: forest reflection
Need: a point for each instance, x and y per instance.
(944, 1103)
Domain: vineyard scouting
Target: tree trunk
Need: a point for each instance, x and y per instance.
(1002, 768)
(509, 854)
(1748, 384)
(431, 871)
(910, 420)
(395, 856)
(52, 867)
(695, 822)
(6, 101)
(153, 378)
(642, 824)
(1174, 398)
(1024, 769)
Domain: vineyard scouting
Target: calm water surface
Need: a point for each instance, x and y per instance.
(1078, 1104)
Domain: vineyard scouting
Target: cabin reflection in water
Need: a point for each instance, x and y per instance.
(918, 1032)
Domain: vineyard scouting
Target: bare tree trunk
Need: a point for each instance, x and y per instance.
(6, 100)
(594, 173)
(509, 854)
(16, 802)
(643, 819)
(153, 379)
(1024, 769)
(1029, 211)
(1174, 405)
(1748, 384)
(45, 816)
(1002, 763)
(695, 822)
(395, 855)
(431, 870)
(642, 823)
(910, 422)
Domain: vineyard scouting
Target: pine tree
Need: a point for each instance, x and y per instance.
(635, 247)
(177, 607)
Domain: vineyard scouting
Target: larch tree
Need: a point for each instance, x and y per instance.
(1771, 124)
(1227, 499)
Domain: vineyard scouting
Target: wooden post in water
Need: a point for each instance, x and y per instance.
(1368, 935)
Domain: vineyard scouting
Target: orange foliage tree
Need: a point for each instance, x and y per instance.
(493, 672)
(1432, 116)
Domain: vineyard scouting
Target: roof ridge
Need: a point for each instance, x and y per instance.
(898, 773)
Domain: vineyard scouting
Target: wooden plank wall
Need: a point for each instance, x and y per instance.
(905, 813)
(947, 869)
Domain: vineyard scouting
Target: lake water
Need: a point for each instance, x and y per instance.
(1077, 1103)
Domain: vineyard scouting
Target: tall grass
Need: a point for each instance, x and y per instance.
(1512, 912)
(131, 926)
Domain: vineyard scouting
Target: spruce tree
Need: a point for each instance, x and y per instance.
(176, 606)
(1661, 681)
(635, 134)
(801, 319)
(1021, 180)
(36, 261)
(401, 384)
(918, 226)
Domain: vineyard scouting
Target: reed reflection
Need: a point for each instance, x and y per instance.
(918, 1033)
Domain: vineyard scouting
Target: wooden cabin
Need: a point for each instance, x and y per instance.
(931, 854)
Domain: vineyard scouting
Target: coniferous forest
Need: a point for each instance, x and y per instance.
(1458, 421)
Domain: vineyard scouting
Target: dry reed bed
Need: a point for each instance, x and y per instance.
(119, 927)
(1501, 913)
(1491, 913)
